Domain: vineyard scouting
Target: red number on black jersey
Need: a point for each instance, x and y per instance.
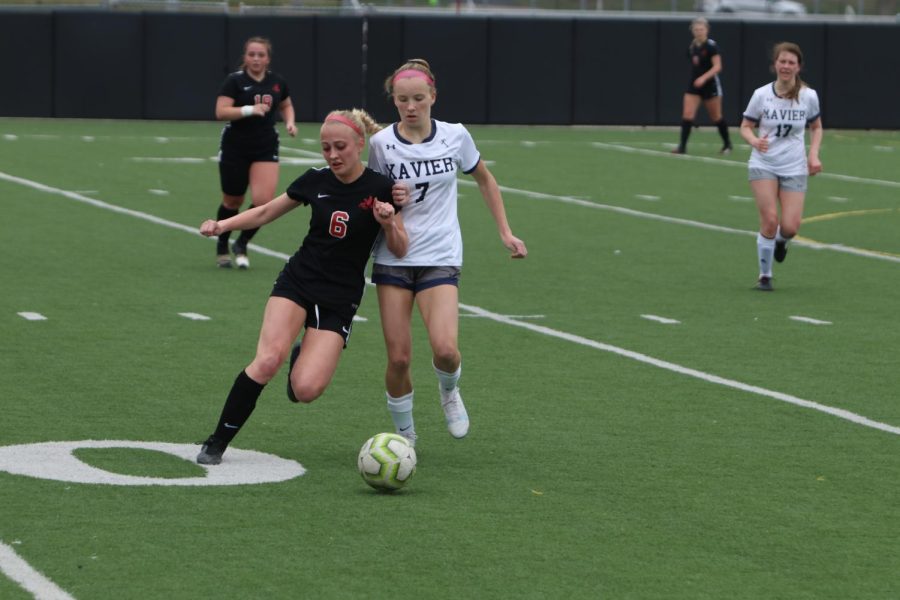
(338, 226)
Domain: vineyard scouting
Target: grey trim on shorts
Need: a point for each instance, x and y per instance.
(415, 279)
(791, 183)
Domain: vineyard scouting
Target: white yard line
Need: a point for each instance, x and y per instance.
(809, 320)
(663, 320)
(837, 412)
(687, 222)
(675, 368)
(734, 163)
(29, 579)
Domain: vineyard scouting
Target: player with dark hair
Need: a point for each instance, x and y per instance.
(426, 155)
(248, 153)
(322, 284)
(706, 64)
(779, 164)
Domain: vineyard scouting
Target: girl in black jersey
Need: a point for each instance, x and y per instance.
(706, 64)
(248, 153)
(322, 284)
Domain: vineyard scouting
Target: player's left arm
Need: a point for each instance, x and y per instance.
(286, 108)
(816, 132)
(490, 191)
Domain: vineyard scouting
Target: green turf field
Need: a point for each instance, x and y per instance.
(644, 425)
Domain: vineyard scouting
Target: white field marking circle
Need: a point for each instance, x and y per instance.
(29, 579)
(54, 460)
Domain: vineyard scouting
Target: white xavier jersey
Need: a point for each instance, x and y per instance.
(784, 121)
(429, 169)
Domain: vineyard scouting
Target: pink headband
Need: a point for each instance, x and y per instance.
(413, 73)
(345, 121)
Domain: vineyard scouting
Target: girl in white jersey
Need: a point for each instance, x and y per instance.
(779, 163)
(425, 156)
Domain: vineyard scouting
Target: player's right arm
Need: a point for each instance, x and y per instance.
(250, 219)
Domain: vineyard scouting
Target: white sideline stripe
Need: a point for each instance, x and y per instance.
(32, 316)
(647, 197)
(708, 377)
(30, 579)
(840, 413)
(808, 320)
(664, 320)
(734, 163)
(508, 316)
(690, 223)
(194, 316)
(125, 211)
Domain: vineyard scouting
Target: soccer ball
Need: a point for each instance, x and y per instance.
(387, 461)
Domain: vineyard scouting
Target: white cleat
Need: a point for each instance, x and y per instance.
(455, 413)
(241, 261)
(410, 435)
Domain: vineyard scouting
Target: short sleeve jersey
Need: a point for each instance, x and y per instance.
(246, 91)
(430, 169)
(330, 263)
(784, 122)
(701, 57)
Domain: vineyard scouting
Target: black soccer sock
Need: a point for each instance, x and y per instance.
(247, 234)
(238, 406)
(685, 133)
(723, 131)
(224, 213)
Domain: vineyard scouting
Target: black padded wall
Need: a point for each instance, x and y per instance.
(339, 57)
(97, 65)
(293, 54)
(384, 41)
(863, 86)
(28, 38)
(615, 72)
(516, 70)
(456, 49)
(183, 65)
(530, 65)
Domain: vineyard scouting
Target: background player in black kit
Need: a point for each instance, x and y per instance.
(706, 64)
(248, 154)
(322, 284)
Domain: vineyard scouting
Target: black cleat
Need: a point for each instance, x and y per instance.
(211, 452)
(295, 352)
(764, 284)
(780, 251)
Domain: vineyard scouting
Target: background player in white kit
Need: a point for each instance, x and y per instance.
(425, 155)
(779, 165)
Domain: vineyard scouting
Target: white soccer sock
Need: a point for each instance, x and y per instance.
(448, 381)
(401, 411)
(765, 250)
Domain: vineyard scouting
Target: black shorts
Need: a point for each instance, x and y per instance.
(317, 316)
(415, 279)
(710, 89)
(235, 160)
